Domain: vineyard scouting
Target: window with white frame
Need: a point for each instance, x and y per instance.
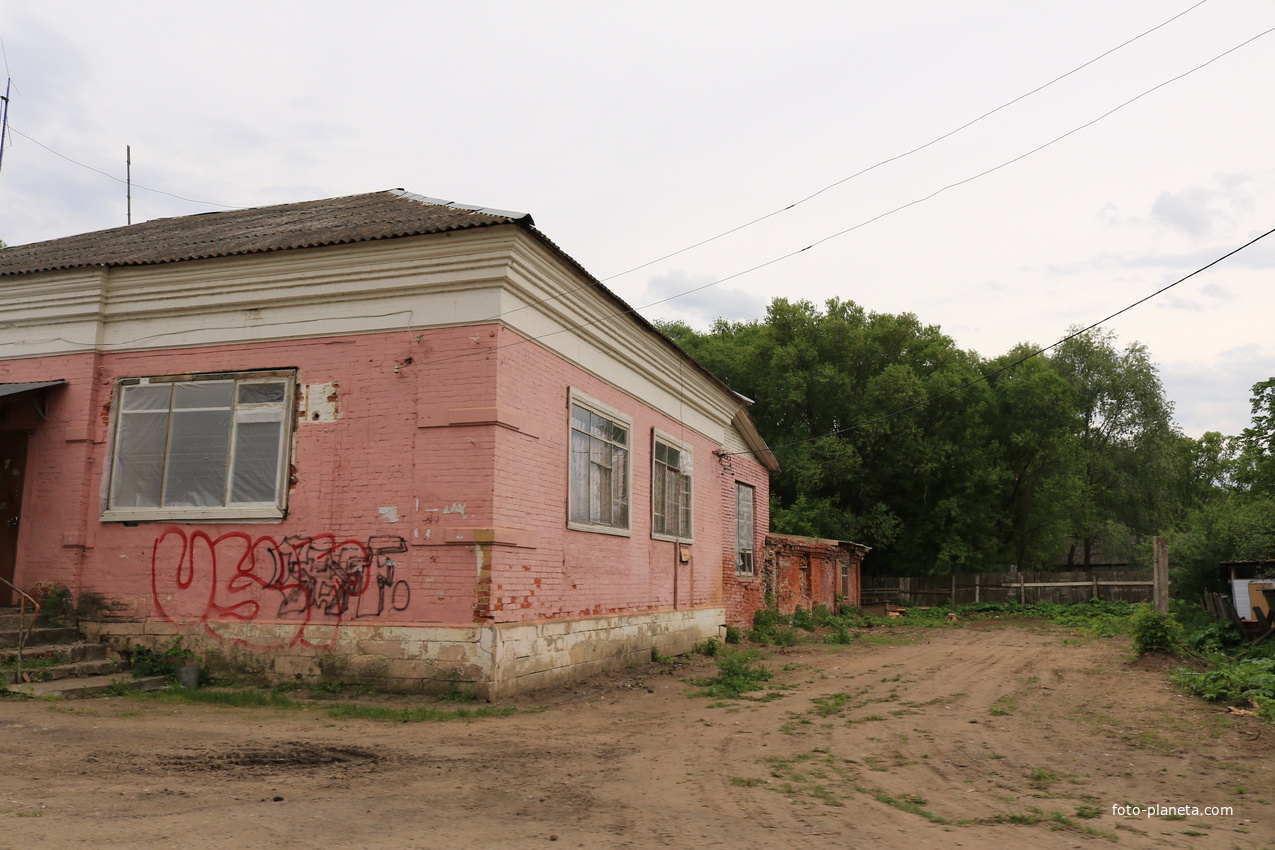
(671, 489)
(201, 447)
(744, 529)
(598, 498)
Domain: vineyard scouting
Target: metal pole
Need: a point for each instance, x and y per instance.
(1161, 575)
(4, 121)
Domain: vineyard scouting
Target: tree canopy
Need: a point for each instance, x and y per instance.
(888, 434)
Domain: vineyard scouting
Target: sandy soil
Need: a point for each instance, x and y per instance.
(978, 735)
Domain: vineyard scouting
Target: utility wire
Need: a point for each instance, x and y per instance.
(902, 206)
(852, 228)
(1020, 360)
(917, 149)
(118, 180)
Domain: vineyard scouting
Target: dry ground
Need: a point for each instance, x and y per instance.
(979, 735)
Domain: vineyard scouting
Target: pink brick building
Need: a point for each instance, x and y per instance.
(382, 438)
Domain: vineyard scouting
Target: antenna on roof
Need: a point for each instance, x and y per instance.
(4, 121)
(128, 173)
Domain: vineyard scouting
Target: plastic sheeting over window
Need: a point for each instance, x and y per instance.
(200, 444)
(671, 492)
(599, 469)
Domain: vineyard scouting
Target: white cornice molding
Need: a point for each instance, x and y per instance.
(499, 275)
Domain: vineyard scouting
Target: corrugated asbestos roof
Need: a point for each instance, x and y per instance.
(335, 221)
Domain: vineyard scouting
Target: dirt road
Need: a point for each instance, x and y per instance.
(975, 736)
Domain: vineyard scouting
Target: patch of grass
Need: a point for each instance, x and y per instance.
(1041, 779)
(826, 706)
(119, 688)
(749, 782)
(738, 673)
(237, 698)
(162, 661)
(326, 689)
(1004, 706)
(910, 803)
(457, 694)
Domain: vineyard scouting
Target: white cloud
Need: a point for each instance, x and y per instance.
(699, 308)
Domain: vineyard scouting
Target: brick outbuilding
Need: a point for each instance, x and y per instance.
(797, 572)
(382, 437)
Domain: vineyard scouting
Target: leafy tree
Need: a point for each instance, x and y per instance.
(1034, 423)
(1125, 441)
(916, 486)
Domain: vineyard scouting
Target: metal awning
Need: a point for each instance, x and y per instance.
(14, 389)
(19, 389)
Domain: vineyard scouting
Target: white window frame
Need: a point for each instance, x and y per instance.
(745, 539)
(663, 472)
(240, 413)
(616, 418)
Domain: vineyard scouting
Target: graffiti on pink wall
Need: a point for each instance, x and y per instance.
(306, 586)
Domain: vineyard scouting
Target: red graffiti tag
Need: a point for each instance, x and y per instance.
(305, 586)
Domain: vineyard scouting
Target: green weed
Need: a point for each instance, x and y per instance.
(738, 673)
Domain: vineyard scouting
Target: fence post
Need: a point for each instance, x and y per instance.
(1161, 575)
(1094, 576)
(1022, 591)
(953, 590)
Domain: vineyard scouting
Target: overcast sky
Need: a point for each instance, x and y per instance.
(630, 131)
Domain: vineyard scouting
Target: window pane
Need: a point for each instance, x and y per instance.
(744, 528)
(579, 485)
(198, 449)
(620, 488)
(146, 397)
(659, 496)
(597, 425)
(261, 392)
(203, 394)
(256, 462)
(598, 470)
(139, 459)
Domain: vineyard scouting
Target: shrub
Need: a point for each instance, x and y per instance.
(709, 648)
(1239, 682)
(56, 604)
(765, 622)
(802, 619)
(163, 661)
(1154, 632)
(840, 636)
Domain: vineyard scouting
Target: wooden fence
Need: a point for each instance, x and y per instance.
(970, 588)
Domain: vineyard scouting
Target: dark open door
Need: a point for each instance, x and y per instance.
(13, 464)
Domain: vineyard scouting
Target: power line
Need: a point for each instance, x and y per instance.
(1021, 360)
(118, 180)
(897, 209)
(861, 224)
(897, 157)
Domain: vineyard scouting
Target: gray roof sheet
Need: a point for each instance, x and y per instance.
(17, 389)
(334, 221)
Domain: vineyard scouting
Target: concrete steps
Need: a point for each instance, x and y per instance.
(92, 686)
(57, 661)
